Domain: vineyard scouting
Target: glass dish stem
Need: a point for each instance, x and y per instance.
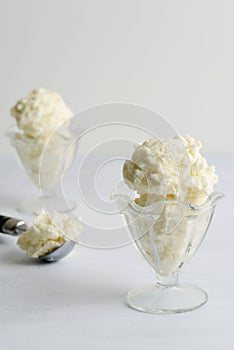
(167, 281)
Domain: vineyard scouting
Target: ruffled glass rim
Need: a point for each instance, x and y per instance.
(132, 207)
(13, 131)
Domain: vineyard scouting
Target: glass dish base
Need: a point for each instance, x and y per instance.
(31, 206)
(159, 299)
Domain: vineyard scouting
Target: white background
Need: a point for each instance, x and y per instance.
(175, 57)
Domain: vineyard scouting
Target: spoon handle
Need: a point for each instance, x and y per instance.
(12, 226)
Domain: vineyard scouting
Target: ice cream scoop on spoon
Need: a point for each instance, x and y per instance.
(47, 238)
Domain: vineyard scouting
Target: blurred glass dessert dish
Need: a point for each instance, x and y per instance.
(168, 215)
(38, 116)
(167, 245)
(58, 161)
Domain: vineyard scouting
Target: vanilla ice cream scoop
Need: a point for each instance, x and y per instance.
(49, 232)
(40, 113)
(166, 173)
(43, 132)
(171, 168)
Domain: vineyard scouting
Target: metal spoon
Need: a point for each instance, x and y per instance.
(14, 227)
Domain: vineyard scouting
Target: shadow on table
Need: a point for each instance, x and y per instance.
(56, 288)
(45, 292)
(17, 257)
(3, 240)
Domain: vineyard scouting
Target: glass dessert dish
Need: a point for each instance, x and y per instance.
(167, 234)
(56, 162)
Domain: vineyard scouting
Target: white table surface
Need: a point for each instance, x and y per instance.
(78, 303)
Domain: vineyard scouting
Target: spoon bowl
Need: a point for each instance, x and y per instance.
(59, 253)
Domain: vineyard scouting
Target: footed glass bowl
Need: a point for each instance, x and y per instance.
(168, 234)
(56, 162)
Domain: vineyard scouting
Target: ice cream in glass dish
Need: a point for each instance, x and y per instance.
(168, 216)
(37, 118)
